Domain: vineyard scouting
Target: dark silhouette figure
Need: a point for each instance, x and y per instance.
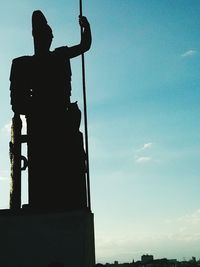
(41, 90)
(56, 264)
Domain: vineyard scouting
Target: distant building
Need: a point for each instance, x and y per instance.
(146, 258)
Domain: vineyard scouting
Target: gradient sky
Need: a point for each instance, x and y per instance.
(143, 88)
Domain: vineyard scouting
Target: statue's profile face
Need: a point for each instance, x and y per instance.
(42, 32)
(43, 42)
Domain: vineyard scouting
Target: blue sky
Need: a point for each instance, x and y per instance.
(143, 89)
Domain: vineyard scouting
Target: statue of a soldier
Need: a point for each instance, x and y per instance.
(40, 90)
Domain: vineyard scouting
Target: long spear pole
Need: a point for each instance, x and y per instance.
(85, 117)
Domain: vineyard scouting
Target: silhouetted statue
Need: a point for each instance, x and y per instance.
(56, 264)
(40, 90)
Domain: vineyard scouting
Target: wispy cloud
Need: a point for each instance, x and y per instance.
(187, 227)
(145, 146)
(4, 179)
(7, 127)
(4, 175)
(140, 157)
(193, 218)
(189, 53)
(143, 159)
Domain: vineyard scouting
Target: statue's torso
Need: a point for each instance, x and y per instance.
(43, 81)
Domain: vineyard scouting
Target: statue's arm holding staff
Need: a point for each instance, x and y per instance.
(86, 39)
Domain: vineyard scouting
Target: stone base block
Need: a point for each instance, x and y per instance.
(50, 239)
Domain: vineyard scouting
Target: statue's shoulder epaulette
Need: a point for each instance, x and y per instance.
(20, 65)
(22, 60)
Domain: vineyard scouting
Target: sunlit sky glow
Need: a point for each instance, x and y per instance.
(143, 88)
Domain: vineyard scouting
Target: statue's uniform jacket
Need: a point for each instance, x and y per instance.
(44, 81)
(40, 90)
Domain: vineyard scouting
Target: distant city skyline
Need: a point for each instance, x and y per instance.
(150, 261)
(143, 95)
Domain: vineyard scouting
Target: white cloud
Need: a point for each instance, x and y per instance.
(193, 218)
(189, 53)
(187, 227)
(145, 146)
(143, 159)
(139, 158)
(188, 219)
(3, 179)
(7, 127)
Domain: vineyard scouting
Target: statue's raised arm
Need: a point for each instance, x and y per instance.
(86, 39)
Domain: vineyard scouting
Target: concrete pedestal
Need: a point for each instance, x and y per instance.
(39, 239)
